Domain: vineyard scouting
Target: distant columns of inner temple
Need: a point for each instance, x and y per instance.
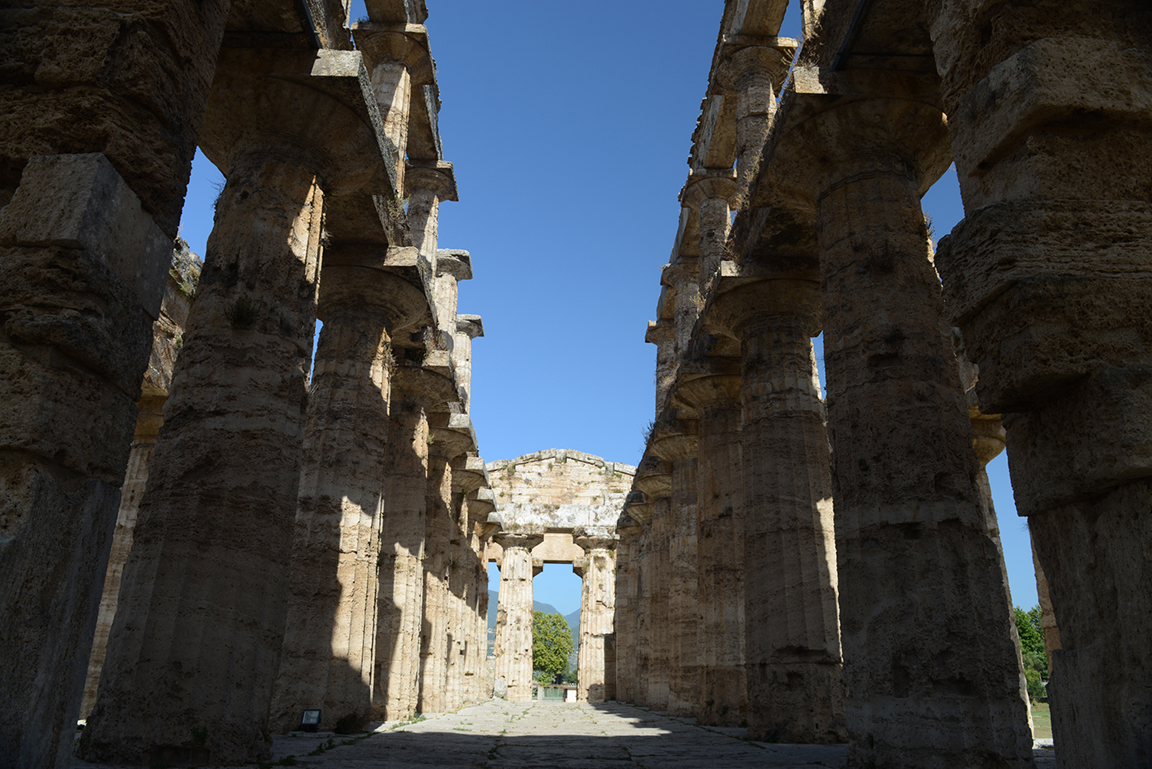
(905, 471)
(1047, 276)
(596, 663)
(514, 614)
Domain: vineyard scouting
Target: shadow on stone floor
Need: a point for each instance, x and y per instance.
(501, 735)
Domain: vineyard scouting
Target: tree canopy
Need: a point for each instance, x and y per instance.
(551, 643)
(1032, 650)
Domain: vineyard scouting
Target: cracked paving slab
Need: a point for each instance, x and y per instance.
(545, 735)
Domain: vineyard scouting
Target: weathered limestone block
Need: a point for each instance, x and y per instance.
(340, 515)
(168, 336)
(723, 698)
(84, 269)
(795, 689)
(932, 676)
(400, 610)
(596, 660)
(676, 443)
(1048, 277)
(118, 77)
(203, 596)
(626, 609)
(514, 615)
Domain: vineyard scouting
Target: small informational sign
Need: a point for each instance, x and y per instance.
(310, 721)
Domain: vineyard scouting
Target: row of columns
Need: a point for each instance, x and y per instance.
(278, 558)
(873, 598)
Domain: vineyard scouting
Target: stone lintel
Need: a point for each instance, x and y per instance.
(814, 81)
(81, 202)
(659, 331)
(756, 18)
(397, 11)
(455, 262)
(347, 149)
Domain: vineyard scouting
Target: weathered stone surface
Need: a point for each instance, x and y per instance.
(596, 663)
(197, 541)
(74, 348)
(514, 616)
(907, 508)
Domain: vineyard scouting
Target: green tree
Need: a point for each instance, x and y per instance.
(551, 643)
(1032, 650)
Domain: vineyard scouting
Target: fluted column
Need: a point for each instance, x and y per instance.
(675, 442)
(749, 73)
(148, 422)
(932, 675)
(596, 680)
(662, 334)
(328, 661)
(660, 657)
(624, 622)
(400, 609)
(514, 615)
(723, 695)
(428, 185)
(436, 641)
(795, 689)
(710, 193)
(1048, 278)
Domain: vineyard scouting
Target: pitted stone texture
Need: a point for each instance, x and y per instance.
(514, 617)
(560, 489)
(204, 588)
(908, 510)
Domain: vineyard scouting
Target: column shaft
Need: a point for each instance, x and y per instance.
(720, 493)
(147, 427)
(683, 581)
(197, 636)
(795, 689)
(932, 674)
(329, 643)
(514, 622)
(401, 593)
(435, 637)
(595, 682)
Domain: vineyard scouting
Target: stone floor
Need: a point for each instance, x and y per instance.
(503, 735)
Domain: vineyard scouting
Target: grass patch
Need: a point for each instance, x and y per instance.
(1041, 721)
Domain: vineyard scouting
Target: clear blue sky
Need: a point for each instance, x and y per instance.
(570, 125)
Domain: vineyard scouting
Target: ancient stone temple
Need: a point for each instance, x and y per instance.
(557, 506)
(846, 579)
(213, 520)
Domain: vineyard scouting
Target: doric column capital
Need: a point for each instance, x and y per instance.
(471, 326)
(396, 44)
(521, 536)
(703, 186)
(742, 66)
(469, 473)
(702, 391)
(454, 262)
(435, 176)
(673, 440)
(592, 538)
(451, 435)
(860, 138)
(739, 310)
(628, 528)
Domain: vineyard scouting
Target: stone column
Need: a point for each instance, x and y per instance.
(710, 193)
(723, 696)
(660, 658)
(468, 327)
(675, 442)
(932, 675)
(596, 681)
(397, 58)
(627, 608)
(795, 689)
(85, 242)
(1048, 278)
(198, 633)
(654, 480)
(328, 661)
(435, 637)
(514, 615)
(401, 590)
(748, 73)
(148, 422)
(428, 185)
